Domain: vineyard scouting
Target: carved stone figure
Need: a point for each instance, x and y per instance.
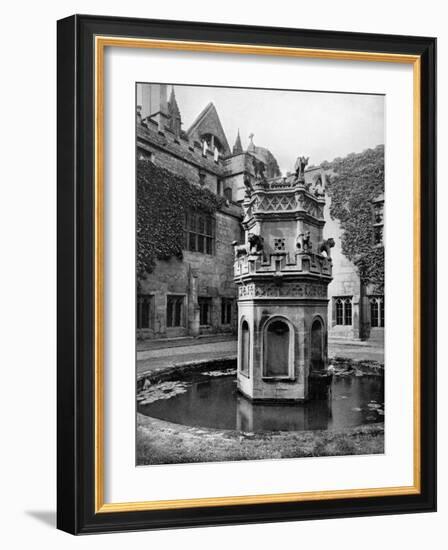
(259, 168)
(319, 187)
(254, 245)
(299, 167)
(248, 185)
(303, 242)
(326, 246)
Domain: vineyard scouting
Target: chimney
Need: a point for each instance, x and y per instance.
(154, 103)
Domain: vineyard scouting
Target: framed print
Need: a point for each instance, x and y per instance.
(246, 274)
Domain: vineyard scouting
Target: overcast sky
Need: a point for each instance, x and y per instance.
(315, 124)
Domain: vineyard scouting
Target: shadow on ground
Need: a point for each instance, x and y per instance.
(47, 517)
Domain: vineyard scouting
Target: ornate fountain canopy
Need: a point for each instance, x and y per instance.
(288, 195)
(284, 220)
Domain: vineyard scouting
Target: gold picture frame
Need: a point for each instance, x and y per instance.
(100, 514)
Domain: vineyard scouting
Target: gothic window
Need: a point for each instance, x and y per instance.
(226, 311)
(205, 309)
(317, 346)
(228, 193)
(175, 311)
(343, 307)
(145, 311)
(200, 232)
(377, 311)
(147, 156)
(201, 178)
(245, 348)
(212, 142)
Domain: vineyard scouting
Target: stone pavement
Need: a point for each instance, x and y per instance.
(154, 355)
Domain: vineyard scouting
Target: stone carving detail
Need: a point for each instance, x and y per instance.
(246, 290)
(277, 203)
(292, 290)
(326, 246)
(248, 186)
(259, 168)
(279, 245)
(254, 245)
(310, 206)
(318, 187)
(299, 167)
(283, 202)
(303, 242)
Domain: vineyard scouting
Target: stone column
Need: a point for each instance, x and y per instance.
(356, 316)
(193, 306)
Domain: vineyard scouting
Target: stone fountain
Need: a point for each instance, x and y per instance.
(282, 272)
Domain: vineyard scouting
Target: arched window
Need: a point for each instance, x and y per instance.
(228, 193)
(278, 352)
(343, 311)
(376, 311)
(245, 348)
(317, 345)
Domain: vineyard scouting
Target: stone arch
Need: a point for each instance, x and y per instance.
(244, 347)
(317, 348)
(278, 348)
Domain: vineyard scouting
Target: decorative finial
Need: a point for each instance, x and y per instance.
(237, 148)
(299, 167)
(251, 144)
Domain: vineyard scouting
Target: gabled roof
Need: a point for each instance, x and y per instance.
(207, 122)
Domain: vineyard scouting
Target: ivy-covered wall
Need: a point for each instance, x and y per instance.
(357, 180)
(163, 199)
(164, 268)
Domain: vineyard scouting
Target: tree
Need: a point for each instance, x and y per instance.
(358, 179)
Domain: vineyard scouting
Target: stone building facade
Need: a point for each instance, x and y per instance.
(355, 311)
(197, 295)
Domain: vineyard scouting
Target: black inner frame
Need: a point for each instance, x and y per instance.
(75, 405)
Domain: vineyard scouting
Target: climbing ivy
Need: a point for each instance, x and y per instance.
(358, 179)
(163, 199)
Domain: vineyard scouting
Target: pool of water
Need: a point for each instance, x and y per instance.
(213, 402)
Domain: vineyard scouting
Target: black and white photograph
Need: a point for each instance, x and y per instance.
(260, 281)
(221, 315)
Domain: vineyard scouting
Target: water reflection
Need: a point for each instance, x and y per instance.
(215, 403)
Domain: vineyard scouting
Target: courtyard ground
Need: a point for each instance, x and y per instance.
(160, 442)
(159, 354)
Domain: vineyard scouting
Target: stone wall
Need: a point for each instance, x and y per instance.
(197, 275)
(178, 166)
